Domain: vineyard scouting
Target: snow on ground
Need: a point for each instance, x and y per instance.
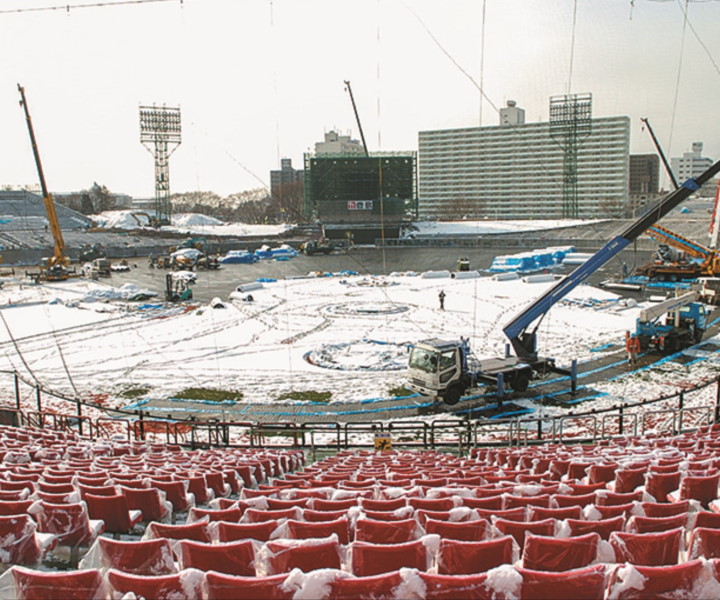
(439, 228)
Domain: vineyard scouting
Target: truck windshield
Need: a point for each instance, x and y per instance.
(424, 359)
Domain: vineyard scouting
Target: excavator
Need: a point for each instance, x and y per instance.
(55, 267)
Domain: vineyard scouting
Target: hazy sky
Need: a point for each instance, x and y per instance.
(258, 80)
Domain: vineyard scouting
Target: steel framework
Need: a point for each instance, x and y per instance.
(570, 120)
(160, 133)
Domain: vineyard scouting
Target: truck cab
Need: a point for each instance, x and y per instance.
(436, 368)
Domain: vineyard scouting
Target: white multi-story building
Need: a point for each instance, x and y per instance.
(516, 170)
(338, 144)
(691, 164)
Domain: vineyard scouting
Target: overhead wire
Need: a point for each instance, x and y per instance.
(69, 7)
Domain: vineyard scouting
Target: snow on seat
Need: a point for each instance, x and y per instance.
(489, 503)
(704, 489)
(175, 492)
(231, 532)
(647, 549)
(373, 559)
(468, 531)
(387, 532)
(704, 542)
(609, 498)
(374, 587)
(19, 583)
(19, 542)
(228, 587)
(231, 558)
(399, 514)
(431, 503)
(603, 527)
(282, 556)
(511, 514)
(629, 479)
(519, 529)
(114, 512)
(96, 490)
(148, 557)
(149, 501)
(463, 558)
(640, 524)
(543, 553)
(610, 512)
(579, 584)
(461, 514)
(68, 522)
(692, 579)
(198, 532)
(186, 584)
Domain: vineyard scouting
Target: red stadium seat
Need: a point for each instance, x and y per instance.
(541, 500)
(659, 485)
(323, 515)
(455, 587)
(256, 515)
(68, 585)
(608, 498)
(14, 507)
(386, 532)
(198, 532)
(518, 529)
(512, 514)
(369, 504)
(704, 489)
(322, 504)
(628, 480)
(175, 493)
(579, 584)
(542, 553)
(431, 503)
(185, 584)
(664, 509)
(301, 530)
(231, 558)
(640, 524)
(374, 559)
(465, 558)
(230, 515)
(68, 522)
(149, 502)
(610, 512)
(390, 515)
(228, 587)
(232, 532)
(491, 503)
(282, 556)
(603, 527)
(374, 587)
(633, 582)
(647, 549)
(468, 531)
(538, 513)
(148, 557)
(704, 542)
(710, 520)
(113, 511)
(18, 543)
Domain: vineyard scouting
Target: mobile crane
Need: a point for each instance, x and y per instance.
(447, 369)
(54, 268)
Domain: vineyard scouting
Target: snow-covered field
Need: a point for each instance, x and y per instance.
(346, 335)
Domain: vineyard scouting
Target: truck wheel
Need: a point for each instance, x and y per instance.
(453, 395)
(520, 382)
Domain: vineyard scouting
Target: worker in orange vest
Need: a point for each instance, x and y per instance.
(632, 347)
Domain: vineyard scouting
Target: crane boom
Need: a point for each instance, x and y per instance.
(522, 338)
(666, 236)
(58, 257)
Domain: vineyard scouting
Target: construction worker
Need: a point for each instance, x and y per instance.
(632, 347)
(441, 297)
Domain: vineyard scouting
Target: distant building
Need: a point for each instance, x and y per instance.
(336, 144)
(692, 164)
(284, 176)
(515, 170)
(644, 181)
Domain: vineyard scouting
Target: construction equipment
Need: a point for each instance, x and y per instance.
(54, 268)
(696, 260)
(177, 286)
(446, 369)
(683, 326)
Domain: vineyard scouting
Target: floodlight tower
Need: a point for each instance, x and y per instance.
(160, 133)
(570, 120)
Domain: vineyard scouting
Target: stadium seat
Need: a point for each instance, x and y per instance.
(539, 513)
(185, 584)
(325, 505)
(564, 500)
(704, 489)
(282, 556)
(609, 498)
(229, 515)
(431, 503)
(197, 532)
(231, 558)
(579, 584)
(468, 531)
(711, 520)
(232, 532)
(455, 587)
(19, 544)
(114, 512)
(324, 515)
(148, 557)
(704, 542)
(603, 527)
(511, 514)
(665, 509)
(686, 580)
(229, 587)
(149, 502)
(543, 553)
(374, 587)
(373, 559)
(69, 585)
(628, 480)
(647, 549)
(490, 503)
(175, 493)
(300, 530)
(390, 515)
(659, 485)
(370, 504)
(68, 522)
(386, 532)
(14, 507)
(519, 529)
(256, 515)
(465, 558)
(610, 512)
(640, 524)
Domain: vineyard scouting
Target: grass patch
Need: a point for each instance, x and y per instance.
(400, 391)
(208, 394)
(309, 395)
(132, 393)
